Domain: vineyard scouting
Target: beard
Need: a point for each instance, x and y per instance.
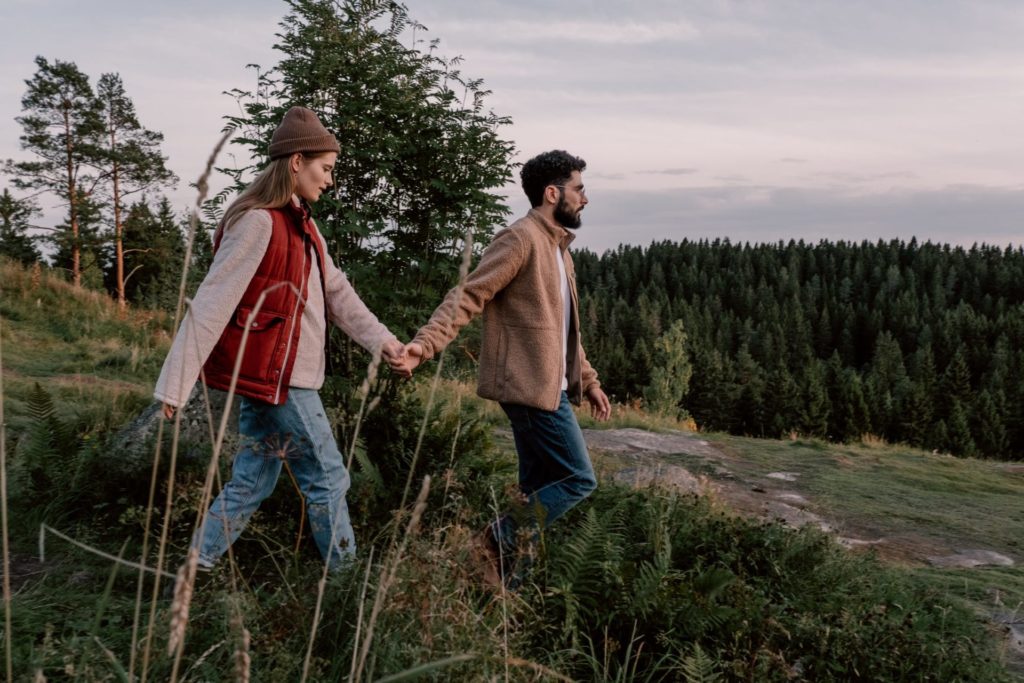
(565, 217)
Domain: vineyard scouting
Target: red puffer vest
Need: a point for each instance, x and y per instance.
(270, 336)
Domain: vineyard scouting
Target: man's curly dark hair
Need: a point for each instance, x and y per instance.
(550, 168)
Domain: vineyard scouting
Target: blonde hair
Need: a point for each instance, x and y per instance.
(272, 189)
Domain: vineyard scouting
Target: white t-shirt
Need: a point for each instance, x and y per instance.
(566, 312)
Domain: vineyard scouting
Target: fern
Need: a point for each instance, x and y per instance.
(46, 447)
(653, 575)
(586, 573)
(370, 469)
(699, 667)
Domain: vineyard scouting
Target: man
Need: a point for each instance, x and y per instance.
(531, 360)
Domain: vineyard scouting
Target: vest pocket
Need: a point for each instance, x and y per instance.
(261, 322)
(263, 344)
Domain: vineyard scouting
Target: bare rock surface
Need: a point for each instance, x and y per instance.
(973, 558)
(135, 442)
(631, 440)
(659, 474)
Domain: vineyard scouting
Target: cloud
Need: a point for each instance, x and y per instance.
(608, 32)
(672, 171)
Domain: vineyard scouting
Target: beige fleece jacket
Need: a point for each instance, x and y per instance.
(236, 261)
(517, 288)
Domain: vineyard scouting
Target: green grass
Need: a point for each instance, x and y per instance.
(77, 345)
(964, 502)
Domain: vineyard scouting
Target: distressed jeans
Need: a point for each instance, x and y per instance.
(297, 432)
(554, 468)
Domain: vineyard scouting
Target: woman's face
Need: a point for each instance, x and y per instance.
(313, 175)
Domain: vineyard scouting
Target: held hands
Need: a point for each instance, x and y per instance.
(402, 359)
(600, 406)
(394, 353)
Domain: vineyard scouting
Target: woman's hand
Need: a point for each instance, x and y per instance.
(394, 353)
(169, 411)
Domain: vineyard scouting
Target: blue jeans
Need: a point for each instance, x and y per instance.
(554, 467)
(297, 432)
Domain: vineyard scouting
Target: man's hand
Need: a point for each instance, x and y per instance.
(169, 411)
(394, 353)
(600, 406)
(413, 355)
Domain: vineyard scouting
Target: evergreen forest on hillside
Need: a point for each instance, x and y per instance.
(915, 343)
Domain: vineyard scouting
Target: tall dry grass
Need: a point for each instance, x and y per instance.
(8, 646)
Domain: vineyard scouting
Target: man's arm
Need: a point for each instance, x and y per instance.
(600, 406)
(500, 263)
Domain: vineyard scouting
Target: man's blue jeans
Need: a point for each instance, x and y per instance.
(297, 432)
(554, 466)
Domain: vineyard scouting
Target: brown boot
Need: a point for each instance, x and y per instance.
(486, 560)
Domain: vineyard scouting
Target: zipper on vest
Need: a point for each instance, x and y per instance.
(295, 321)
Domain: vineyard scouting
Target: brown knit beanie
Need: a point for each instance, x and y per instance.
(301, 131)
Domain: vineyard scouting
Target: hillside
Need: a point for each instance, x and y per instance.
(643, 582)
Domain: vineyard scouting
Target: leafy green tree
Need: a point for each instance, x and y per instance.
(15, 243)
(61, 128)
(671, 372)
(423, 163)
(132, 163)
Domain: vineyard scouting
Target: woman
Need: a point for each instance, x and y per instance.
(271, 276)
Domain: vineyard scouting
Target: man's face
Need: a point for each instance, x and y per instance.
(571, 200)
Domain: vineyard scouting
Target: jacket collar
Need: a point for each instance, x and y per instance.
(559, 235)
(298, 208)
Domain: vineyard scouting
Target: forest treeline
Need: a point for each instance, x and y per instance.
(914, 343)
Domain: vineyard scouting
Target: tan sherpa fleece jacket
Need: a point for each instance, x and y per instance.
(517, 288)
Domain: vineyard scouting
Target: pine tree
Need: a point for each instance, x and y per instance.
(886, 386)
(817, 407)
(15, 243)
(61, 128)
(132, 163)
(84, 248)
(959, 440)
(153, 272)
(989, 425)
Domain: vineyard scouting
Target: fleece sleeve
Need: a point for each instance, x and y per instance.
(241, 250)
(346, 310)
(498, 266)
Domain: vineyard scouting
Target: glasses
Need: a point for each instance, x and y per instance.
(581, 190)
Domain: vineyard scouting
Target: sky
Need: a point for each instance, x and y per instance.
(749, 120)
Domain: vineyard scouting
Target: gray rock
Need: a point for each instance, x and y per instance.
(972, 558)
(784, 476)
(135, 443)
(792, 498)
(659, 474)
(637, 441)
